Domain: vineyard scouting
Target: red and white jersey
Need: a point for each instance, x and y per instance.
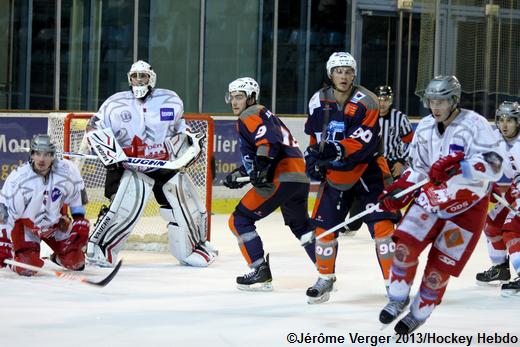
(470, 133)
(38, 200)
(137, 123)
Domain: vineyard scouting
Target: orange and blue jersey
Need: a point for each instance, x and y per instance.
(355, 126)
(261, 133)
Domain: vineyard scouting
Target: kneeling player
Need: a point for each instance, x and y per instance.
(148, 123)
(33, 209)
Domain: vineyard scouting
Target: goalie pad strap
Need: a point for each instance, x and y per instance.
(117, 223)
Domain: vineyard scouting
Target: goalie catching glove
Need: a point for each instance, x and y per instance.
(386, 199)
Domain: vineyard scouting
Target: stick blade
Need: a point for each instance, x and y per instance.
(107, 279)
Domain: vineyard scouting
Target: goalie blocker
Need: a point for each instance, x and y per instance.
(176, 194)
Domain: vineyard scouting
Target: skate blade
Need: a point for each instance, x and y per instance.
(492, 284)
(507, 293)
(257, 287)
(318, 300)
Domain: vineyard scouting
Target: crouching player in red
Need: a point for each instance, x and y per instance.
(274, 163)
(33, 209)
(457, 149)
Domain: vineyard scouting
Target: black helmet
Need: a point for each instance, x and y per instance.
(384, 91)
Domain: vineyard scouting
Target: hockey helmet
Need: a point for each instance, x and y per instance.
(338, 59)
(42, 143)
(384, 92)
(141, 67)
(508, 109)
(243, 84)
(442, 87)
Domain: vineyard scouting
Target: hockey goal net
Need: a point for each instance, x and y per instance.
(68, 132)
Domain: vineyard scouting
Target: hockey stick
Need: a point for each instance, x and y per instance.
(504, 202)
(372, 209)
(67, 275)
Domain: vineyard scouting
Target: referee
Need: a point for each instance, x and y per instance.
(396, 131)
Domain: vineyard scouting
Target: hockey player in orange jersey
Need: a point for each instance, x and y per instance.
(276, 169)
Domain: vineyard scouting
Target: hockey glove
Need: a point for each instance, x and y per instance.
(260, 170)
(386, 199)
(231, 179)
(313, 168)
(446, 167)
(80, 225)
(495, 189)
(332, 151)
(6, 247)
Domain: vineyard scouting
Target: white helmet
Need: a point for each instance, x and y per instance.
(243, 84)
(340, 59)
(141, 66)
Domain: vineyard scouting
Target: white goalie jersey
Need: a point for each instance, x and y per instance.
(470, 133)
(142, 126)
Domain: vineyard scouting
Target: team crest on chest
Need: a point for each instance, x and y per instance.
(56, 193)
(126, 116)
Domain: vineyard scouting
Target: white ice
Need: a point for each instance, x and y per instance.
(155, 302)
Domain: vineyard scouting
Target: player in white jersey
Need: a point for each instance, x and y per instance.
(148, 123)
(502, 227)
(457, 149)
(34, 199)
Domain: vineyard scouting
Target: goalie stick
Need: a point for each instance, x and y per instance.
(68, 275)
(371, 209)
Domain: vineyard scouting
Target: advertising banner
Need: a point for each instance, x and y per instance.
(16, 132)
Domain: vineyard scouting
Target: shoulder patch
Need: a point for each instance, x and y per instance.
(314, 103)
(351, 109)
(358, 96)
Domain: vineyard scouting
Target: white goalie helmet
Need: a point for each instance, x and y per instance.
(243, 84)
(141, 67)
(338, 59)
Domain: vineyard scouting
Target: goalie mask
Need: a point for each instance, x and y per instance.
(141, 79)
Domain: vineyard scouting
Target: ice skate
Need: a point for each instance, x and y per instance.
(320, 291)
(408, 324)
(257, 280)
(392, 310)
(511, 288)
(495, 275)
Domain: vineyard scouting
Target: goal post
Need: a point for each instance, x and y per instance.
(68, 132)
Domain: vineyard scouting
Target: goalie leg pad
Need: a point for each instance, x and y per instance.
(114, 227)
(188, 223)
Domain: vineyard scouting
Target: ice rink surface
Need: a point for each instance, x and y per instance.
(155, 302)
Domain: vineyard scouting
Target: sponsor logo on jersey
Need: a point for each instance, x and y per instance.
(147, 161)
(358, 96)
(351, 109)
(55, 194)
(167, 113)
(261, 131)
(126, 116)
